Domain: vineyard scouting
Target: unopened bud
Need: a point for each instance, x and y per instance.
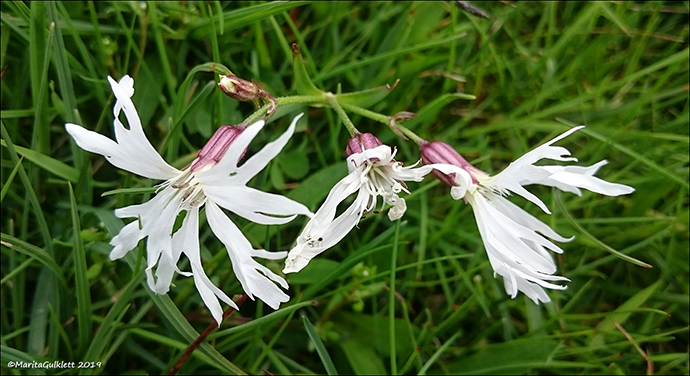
(440, 152)
(239, 89)
(360, 143)
(217, 145)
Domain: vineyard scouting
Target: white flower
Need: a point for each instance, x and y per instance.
(213, 179)
(373, 172)
(515, 240)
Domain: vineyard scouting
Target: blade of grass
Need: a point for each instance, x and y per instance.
(81, 280)
(438, 353)
(49, 164)
(569, 217)
(34, 252)
(391, 301)
(320, 348)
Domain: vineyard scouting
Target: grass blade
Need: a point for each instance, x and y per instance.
(81, 280)
(320, 348)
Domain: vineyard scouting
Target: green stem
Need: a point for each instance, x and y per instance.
(366, 113)
(391, 301)
(383, 119)
(407, 132)
(282, 101)
(346, 120)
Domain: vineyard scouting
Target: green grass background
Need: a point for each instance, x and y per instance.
(535, 69)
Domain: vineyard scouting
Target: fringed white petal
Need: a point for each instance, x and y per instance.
(256, 279)
(566, 178)
(515, 250)
(149, 219)
(132, 151)
(190, 246)
(258, 161)
(316, 240)
(256, 206)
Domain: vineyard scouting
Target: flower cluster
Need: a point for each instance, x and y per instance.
(518, 245)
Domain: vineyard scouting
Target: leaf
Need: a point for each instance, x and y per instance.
(303, 84)
(47, 163)
(622, 313)
(514, 357)
(571, 219)
(430, 112)
(111, 321)
(315, 188)
(362, 357)
(242, 17)
(295, 164)
(81, 279)
(320, 348)
(359, 326)
(34, 252)
(10, 354)
(313, 272)
(366, 98)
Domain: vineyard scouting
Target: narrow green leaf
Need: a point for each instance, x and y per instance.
(47, 163)
(16, 270)
(514, 357)
(430, 112)
(168, 342)
(569, 217)
(180, 107)
(261, 321)
(38, 49)
(391, 301)
(312, 190)
(241, 17)
(284, 45)
(199, 99)
(112, 320)
(363, 357)
(302, 83)
(81, 280)
(320, 348)
(10, 179)
(169, 310)
(34, 252)
(10, 354)
(14, 24)
(63, 69)
(385, 56)
(623, 312)
(162, 52)
(366, 98)
(439, 352)
(410, 360)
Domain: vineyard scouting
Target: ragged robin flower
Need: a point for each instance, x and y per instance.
(214, 180)
(374, 172)
(516, 242)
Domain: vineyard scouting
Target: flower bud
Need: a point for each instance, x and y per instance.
(440, 152)
(239, 89)
(361, 142)
(215, 148)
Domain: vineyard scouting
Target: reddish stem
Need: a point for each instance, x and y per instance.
(203, 336)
